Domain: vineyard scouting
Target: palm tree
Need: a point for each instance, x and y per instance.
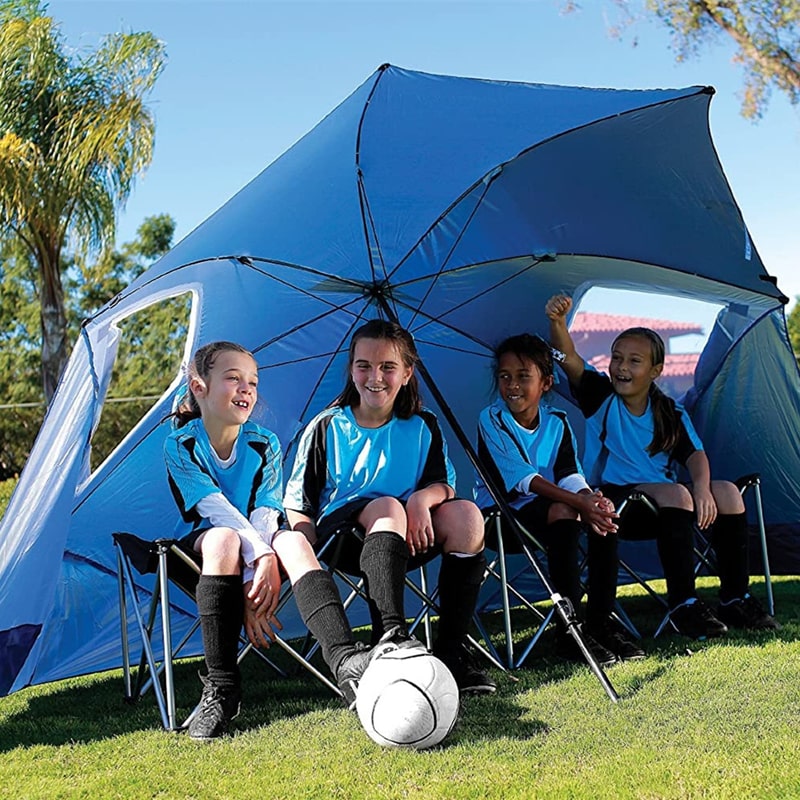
(74, 133)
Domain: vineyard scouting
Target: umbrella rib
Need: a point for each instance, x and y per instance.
(450, 252)
(317, 384)
(449, 327)
(366, 211)
(305, 323)
(431, 318)
(490, 176)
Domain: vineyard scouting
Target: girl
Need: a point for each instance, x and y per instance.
(225, 475)
(528, 447)
(635, 437)
(375, 461)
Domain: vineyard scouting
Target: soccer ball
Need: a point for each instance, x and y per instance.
(407, 698)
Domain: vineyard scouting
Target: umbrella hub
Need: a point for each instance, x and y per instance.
(377, 291)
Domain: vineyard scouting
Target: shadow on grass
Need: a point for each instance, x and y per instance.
(86, 710)
(75, 711)
(543, 666)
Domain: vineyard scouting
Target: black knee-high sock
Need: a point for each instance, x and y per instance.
(384, 556)
(731, 543)
(562, 560)
(460, 580)
(675, 539)
(321, 609)
(220, 603)
(603, 568)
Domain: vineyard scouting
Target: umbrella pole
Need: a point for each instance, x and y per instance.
(562, 604)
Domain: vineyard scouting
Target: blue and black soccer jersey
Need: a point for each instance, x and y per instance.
(253, 480)
(617, 441)
(512, 454)
(338, 461)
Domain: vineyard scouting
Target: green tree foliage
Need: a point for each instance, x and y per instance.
(74, 134)
(766, 34)
(793, 323)
(150, 348)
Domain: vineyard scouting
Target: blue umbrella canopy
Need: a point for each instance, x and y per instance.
(455, 205)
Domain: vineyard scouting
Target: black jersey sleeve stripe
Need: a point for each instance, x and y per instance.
(435, 469)
(591, 392)
(492, 470)
(684, 446)
(188, 515)
(316, 469)
(566, 462)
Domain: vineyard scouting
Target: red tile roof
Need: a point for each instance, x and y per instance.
(585, 322)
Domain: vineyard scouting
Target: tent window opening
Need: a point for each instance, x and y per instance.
(149, 356)
(683, 324)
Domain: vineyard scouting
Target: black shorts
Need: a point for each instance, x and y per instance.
(533, 516)
(636, 521)
(188, 542)
(344, 553)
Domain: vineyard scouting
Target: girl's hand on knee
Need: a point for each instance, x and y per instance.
(419, 534)
(704, 506)
(266, 585)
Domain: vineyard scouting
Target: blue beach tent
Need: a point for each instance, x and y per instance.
(459, 206)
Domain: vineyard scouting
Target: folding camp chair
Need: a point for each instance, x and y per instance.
(751, 484)
(172, 564)
(525, 544)
(505, 550)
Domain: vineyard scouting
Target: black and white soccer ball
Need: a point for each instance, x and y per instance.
(407, 698)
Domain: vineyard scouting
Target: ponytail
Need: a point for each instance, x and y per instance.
(666, 428)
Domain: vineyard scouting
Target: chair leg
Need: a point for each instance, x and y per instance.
(501, 556)
(148, 655)
(123, 614)
(166, 631)
(755, 484)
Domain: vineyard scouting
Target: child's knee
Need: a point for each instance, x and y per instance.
(727, 497)
(221, 549)
(458, 525)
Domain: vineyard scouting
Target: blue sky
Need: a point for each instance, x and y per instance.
(245, 80)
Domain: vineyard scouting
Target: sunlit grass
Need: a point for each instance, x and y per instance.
(710, 720)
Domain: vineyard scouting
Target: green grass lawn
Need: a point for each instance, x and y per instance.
(694, 720)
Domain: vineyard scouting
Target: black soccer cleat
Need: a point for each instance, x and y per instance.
(696, 620)
(469, 677)
(616, 638)
(567, 648)
(746, 612)
(217, 709)
(350, 670)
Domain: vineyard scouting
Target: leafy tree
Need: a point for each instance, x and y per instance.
(149, 352)
(793, 323)
(766, 34)
(74, 134)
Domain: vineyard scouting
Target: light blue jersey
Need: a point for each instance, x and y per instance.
(339, 462)
(512, 454)
(253, 480)
(617, 441)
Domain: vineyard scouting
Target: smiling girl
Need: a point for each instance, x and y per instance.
(636, 438)
(226, 477)
(376, 461)
(529, 449)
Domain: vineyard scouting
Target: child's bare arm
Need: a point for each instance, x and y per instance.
(557, 308)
